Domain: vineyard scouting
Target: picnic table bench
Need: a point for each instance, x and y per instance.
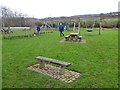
(43, 60)
(79, 38)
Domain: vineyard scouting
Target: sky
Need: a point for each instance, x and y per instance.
(56, 8)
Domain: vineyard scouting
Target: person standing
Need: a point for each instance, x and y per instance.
(61, 29)
(38, 29)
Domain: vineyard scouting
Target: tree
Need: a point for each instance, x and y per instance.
(12, 18)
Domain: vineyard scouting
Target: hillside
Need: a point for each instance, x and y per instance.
(85, 17)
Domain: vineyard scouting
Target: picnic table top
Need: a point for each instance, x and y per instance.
(89, 29)
(73, 33)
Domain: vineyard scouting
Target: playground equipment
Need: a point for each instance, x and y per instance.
(74, 36)
(90, 27)
(79, 27)
(17, 32)
(100, 29)
(65, 24)
(45, 25)
(9, 32)
(21, 32)
(74, 27)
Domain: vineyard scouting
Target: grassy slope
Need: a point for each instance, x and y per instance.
(97, 60)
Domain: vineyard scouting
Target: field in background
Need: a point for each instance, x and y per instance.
(97, 60)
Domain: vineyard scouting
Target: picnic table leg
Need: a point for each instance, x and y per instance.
(75, 38)
(79, 39)
(41, 64)
(66, 38)
(62, 70)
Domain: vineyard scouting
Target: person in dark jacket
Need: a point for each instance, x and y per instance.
(61, 29)
(38, 29)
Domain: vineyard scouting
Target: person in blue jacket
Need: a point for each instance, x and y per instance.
(38, 29)
(61, 29)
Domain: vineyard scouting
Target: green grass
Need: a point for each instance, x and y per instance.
(97, 60)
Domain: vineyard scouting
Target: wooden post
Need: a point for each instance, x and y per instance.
(49, 26)
(45, 25)
(41, 64)
(86, 24)
(100, 30)
(74, 27)
(79, 27)
(93, 24)
(25, 26)
(62, 70)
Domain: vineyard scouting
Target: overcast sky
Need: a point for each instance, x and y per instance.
(55, 8)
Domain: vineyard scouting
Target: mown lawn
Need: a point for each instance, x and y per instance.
(97, 60)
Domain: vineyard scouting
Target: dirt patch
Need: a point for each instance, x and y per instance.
(81, 42)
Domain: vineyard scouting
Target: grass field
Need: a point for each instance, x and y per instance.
(97, 60)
